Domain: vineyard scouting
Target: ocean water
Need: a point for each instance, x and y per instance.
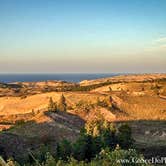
(8, 78)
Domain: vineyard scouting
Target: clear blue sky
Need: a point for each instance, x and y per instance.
(82, 36)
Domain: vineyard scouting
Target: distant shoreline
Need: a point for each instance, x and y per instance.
(69, 77)
(79, 78)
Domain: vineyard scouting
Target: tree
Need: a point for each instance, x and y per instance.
(83, 148)
(62, 104)
(52, 106)
(110, 89)
(2, 152)
(64, 150)
(125, 139)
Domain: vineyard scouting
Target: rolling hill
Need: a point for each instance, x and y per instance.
(138, 100)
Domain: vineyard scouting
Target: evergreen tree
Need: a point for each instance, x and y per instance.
(62, 104)
(64, 150)
(83, 148)
(125, 139)
(108, 139)
(52, 106)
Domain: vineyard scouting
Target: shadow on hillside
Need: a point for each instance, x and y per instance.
(150, 136)
(31, 135)
(66, 118)
(142, 121)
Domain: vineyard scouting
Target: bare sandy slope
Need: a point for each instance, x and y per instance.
(17, 105)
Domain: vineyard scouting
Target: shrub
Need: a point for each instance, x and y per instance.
(50, 160)
(20, 122)
(23, 97)
(118, 157)
(102, 103)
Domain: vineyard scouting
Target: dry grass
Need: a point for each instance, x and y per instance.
(17, 105)
(144, 107)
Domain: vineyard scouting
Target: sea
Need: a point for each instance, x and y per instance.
(69, 77)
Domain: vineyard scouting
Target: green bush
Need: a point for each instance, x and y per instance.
(118, 157)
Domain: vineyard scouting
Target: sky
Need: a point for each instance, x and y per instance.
(82, 36)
